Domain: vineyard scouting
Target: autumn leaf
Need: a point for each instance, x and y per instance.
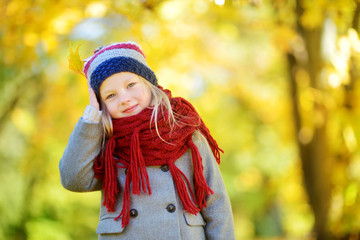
(75, 62)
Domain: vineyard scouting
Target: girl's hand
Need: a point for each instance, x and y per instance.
(92, 97)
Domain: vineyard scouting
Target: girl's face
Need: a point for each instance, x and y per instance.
(125, 94)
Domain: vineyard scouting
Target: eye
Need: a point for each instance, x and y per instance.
(109, 96)
(131, 84)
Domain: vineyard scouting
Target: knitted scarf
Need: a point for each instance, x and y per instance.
(135, 144)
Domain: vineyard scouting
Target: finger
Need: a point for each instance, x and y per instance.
(92, 97)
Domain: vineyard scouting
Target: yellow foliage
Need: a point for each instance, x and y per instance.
(75, 62)
(96, 9)
(283, 37)
(64, 22)
(314, 13)
(30, 39)
(24, 121)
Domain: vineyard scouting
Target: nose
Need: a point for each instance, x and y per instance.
(124, 98)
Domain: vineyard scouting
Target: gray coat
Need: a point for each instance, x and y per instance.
(152, 218)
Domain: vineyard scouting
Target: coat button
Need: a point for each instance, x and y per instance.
(165, 168)
(171, 208)
(133, 213)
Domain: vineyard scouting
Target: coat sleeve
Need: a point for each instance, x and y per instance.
(218, 213)
(76, 164)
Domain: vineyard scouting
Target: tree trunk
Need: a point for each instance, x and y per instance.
(314, 153)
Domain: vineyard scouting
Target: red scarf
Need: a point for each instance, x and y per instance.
(135, 144)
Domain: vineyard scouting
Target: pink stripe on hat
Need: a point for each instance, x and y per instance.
(126, 45)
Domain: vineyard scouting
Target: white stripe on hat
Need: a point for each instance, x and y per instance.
(112, 53)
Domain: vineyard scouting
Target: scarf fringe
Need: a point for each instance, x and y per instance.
(137, 175)
(125, 212)
(213, 144)
(206, 132)
(138, 167)
(110, 184)
(202, 189)
(182, 189)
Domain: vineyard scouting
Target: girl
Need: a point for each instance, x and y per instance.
(150, 154)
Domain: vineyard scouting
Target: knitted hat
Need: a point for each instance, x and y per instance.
(115, 58)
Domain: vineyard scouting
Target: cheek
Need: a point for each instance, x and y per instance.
(110, 107)
(147, 97)
(144, 97)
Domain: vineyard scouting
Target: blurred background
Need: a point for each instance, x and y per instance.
(276, 81)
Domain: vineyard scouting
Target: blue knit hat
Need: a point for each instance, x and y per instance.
(115, 58)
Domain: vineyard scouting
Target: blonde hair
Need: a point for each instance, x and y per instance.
(160, 103)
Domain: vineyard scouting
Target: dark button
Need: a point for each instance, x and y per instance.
(133, 213)
(171, 208)
(165, 168)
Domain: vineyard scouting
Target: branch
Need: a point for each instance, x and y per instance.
(355, 21)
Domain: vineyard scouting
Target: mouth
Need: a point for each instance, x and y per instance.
(130, 109)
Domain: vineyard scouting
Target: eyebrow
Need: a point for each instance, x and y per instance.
(106, 92)
(130, 78)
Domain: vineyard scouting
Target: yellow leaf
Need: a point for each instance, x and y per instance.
(75, 62)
